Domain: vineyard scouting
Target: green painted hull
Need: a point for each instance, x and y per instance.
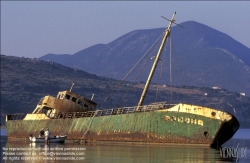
(141, 127)
(182, 123)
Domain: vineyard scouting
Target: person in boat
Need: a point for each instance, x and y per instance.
(47, 135)
(41, 133)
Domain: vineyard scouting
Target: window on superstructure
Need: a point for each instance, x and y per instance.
(80, 102)
(62, 95)
(74, 99)
(43, 111)
(67, 96)
(41, 101)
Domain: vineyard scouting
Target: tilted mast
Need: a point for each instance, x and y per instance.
(166, 34)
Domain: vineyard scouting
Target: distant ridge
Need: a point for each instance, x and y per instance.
(202, 56)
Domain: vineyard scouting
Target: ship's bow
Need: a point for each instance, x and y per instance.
(226, 131)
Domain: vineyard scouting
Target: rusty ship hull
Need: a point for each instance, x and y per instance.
(182, 123)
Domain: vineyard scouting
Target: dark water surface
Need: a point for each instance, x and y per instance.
(24, 151)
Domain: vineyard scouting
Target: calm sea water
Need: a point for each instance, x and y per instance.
(26, 152)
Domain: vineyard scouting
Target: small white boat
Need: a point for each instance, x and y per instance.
(53, 139)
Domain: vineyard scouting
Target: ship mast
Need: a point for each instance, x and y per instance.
(166, 34)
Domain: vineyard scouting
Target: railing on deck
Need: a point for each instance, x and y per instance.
(106, 112)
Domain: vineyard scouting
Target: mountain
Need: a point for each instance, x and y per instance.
(201, 56)
(24, 81)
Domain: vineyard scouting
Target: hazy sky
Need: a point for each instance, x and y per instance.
(33, 29)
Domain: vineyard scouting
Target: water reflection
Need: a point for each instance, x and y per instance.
(26, 152)
(116, 153)
(150, 153)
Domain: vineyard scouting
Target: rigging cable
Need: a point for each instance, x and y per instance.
(130, 71)
(180, 70)
(162, 66)
(179, 67)
(155, 49)
(91, 120)
(158, 44)
(133, 83)
(170, 69)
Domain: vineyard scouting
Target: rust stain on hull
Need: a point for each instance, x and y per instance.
(149, 127)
